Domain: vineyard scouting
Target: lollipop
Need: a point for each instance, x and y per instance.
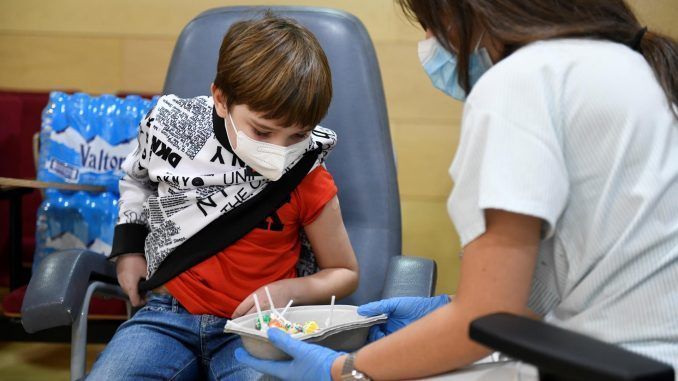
(277, 320)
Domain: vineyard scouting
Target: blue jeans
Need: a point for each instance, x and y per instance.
(163, 341)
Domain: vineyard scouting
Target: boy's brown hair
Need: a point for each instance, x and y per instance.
(277, 68)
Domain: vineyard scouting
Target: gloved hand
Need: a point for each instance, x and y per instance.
(400, 311)
(309, 361)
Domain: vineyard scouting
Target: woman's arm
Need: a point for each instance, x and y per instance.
(496, 275)
(338, 273)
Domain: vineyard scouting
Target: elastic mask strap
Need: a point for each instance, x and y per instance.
(235, 129)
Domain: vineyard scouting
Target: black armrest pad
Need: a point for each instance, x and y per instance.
(410, 276)
(565, 354)
(56, 291)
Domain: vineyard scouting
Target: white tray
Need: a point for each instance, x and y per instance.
(348, 331)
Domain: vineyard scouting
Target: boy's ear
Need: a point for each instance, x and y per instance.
(219, 101)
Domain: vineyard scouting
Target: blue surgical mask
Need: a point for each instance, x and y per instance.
(441, 66)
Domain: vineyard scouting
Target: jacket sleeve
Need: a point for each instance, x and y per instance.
(135, 187)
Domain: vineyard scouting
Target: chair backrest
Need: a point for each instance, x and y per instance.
(363, 163)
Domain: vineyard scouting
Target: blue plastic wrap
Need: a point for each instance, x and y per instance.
(84, 140)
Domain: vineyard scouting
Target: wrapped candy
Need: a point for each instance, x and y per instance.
(267, 320)
(310, 327)
(275, 321)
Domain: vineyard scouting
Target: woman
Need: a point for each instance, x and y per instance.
(566, 186)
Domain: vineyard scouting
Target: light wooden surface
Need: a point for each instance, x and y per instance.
(105, 46)
(36, 184)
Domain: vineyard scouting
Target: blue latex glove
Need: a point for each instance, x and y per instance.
(309, 361)
(400, 311)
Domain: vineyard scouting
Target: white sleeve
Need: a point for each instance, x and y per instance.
(509, 157)
(135, 187)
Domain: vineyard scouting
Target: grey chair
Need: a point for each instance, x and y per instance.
(363, 166)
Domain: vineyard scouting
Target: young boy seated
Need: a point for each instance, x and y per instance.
(188, 226)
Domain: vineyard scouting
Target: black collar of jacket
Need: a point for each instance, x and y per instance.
(219, 125)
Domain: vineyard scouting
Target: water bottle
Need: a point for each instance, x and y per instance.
(60, 225)
(45, 214)
(84, 140)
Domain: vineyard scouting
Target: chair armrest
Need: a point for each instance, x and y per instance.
(410, 276)
(56, 291)
(564, 355)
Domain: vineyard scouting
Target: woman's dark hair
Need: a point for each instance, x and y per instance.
(516, 23)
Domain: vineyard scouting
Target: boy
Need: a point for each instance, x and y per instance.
(206, 166)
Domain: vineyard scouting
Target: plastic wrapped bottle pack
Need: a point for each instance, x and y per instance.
(84, 140)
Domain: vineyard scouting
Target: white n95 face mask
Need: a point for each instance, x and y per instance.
(269, 160)
(441, 66)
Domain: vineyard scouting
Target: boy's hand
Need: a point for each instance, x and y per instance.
(279, 293)
(131, 268)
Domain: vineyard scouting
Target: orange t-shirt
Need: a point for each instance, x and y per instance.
(268, 253)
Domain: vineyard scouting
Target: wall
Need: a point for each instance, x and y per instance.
(125, 45)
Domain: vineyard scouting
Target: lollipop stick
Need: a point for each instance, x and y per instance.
(264, 327)
(328, 322)
(286, 307)
(270, 300)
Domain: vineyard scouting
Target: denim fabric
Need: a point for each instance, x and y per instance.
(163, 341)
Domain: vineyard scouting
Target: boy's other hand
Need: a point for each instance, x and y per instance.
(131, 268)
(279, 293)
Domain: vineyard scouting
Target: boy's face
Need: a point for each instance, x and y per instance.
(254, 126)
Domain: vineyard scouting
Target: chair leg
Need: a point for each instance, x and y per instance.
(79, 328)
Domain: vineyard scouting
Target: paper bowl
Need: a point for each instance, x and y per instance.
(347, 332)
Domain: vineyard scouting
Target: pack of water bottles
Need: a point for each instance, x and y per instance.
(84, 140)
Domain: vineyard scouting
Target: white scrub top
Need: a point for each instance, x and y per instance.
(580, 134)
